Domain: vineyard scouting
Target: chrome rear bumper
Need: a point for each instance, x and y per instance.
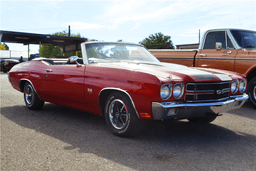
(176, 110)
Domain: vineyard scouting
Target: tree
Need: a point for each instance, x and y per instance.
(158, 41)
(4, 47)
(48, 51)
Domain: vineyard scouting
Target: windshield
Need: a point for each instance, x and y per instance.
(245, 39)
(114, 52)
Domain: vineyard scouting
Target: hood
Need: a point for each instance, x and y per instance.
(165, 71)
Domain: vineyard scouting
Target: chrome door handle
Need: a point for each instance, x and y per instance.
(48, 70)
(202, 55)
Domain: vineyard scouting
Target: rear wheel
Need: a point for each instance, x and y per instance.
(31, 98)
(252, 91)
(121, 117)
(203, 120)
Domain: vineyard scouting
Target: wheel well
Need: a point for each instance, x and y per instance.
(22, 84)
(104, 95)
(251, 75)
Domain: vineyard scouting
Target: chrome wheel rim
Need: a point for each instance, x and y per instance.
(29, 94)
(118, 114)
(254, 92)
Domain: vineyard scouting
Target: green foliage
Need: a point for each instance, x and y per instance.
(48, 51)
(158, 41)
(4, 47)
(64, 33)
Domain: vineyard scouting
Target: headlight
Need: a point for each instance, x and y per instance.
(178, 91)
(166, 91)
(234, 86)
(242, 86)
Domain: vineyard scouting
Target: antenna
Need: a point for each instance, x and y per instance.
(239, 20)
(199, 37)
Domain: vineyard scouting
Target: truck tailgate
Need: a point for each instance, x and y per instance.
(183, 57)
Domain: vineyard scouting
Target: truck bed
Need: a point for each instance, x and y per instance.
(183, 57)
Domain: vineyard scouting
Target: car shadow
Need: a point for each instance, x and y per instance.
(245, 111)
(88, 133)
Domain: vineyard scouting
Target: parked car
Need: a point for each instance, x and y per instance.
(127, 85)
(7, 64)
(33, 56)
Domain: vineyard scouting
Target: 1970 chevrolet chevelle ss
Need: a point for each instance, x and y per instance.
(127, 85)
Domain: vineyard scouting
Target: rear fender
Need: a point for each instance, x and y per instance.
(22, 84)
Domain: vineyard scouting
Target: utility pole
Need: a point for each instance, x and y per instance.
(69, 31)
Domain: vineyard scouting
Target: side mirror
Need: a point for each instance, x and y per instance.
(73, 59)
(218, 46)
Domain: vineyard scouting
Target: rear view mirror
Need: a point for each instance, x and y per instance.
(218, 46)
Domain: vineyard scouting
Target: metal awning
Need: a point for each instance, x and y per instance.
(67, 44)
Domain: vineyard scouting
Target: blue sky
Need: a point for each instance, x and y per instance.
(129, 20)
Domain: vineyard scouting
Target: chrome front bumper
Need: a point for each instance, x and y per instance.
(176, 110)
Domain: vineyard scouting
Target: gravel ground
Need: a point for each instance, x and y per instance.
(60, 138)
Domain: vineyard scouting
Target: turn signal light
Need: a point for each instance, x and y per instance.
(145, 115)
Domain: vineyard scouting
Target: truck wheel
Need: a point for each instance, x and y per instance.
(121, 117)
(203, 120)
(251, 91)
(31, 98)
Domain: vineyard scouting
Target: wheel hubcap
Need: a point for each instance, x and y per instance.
(29, 95)
(118, 114)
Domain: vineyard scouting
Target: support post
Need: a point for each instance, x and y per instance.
(28, 51)
(40, 45)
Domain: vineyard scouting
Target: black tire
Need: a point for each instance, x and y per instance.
(31, 98)
(251, 91)
(203, 120)
(121, 117)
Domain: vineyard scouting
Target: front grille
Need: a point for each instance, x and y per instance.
(207, 92)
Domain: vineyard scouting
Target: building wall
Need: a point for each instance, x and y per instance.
(188, 46)
(14, 54)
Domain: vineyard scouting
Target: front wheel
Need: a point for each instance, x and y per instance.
(121, 117)
(203, 120)
(32, 100)
(252, 91)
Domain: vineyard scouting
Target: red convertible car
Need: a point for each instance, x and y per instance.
(127, 85)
